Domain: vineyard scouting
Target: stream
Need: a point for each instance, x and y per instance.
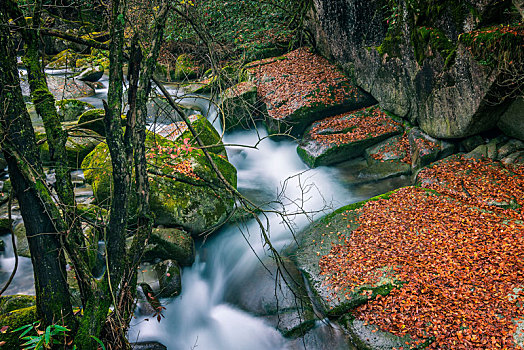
(273, 176)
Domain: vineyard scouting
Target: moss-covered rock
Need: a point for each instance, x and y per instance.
(5, 226)
(184, 190)
(185, 68)
(22, 246)
(169, 279)
(179, 132)
(91, 74)
(14, 319)
(80, 143)
(93, 120)
(170, 244)
(64, 59)
(70, 109)
(239, 108)
(342, 137)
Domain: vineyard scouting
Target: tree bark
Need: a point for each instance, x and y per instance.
(41, 217)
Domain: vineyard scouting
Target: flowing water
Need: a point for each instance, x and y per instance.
(272, 175)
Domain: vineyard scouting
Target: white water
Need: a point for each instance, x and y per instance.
(200, 317)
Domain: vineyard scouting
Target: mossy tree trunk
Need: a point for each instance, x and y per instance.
(41, 217)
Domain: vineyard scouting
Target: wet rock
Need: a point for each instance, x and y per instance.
(22, 246)
(342, 137)
(170, 243)
(91, 74)
(184, 190)
(240, 107)
(70, 109)
(325, 336)
(426, 150)
(301, 87)
(64, 87)
(285, 306)
(512, 122)
(169, 279)
(150, 345)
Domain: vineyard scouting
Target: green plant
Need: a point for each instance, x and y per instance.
(43, 339)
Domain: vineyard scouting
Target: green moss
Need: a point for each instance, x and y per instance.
(10, 303)
(79, 144)
(186, 68)
(496, 45)
(391, 44)
(5, 225)
(426, 40)
(93, 120)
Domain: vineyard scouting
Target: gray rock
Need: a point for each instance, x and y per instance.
(169, 279)
(509, 147)
(512, 122)
(425, 149)
(240, 107)
(22, 245)
(472, 142)
(284, 303)
(447, 99)
(325, 336)
(150, 345)
(514, 158)
(70, 109)
(91, 74)
(329, 141)
(370, 337)
(170, 244)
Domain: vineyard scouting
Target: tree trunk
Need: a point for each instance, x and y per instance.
(41, 217)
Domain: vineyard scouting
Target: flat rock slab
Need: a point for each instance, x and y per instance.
(426, 149)
(390, 158)
(301, 87)
(345, 136)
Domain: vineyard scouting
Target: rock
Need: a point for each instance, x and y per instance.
(514, 158)
(239, 107)
(93, 120)
(342, 137)
(184, 190)
(478, 153)
(472, 142)
(10, 303)
(288, 307)
(325, 336)
(390, 158)
(79, 144)
(149, 345)
(91, 74)
(426, 150)
(316, 241)
(206, 132)
(144, 307)
(186, 68)
(295, 96)
(63, 60)
(512, 121)
(509, 147)
(169, 279)
(68, 88)
(366, 336)
(70, 110)
(429, 76)
(5, 226)
(22, 246)
(170, 243)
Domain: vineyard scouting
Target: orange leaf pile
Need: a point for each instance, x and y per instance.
(461, 268)
(353, 126)
(300, 79)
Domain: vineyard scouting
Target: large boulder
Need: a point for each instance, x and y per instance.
(184, 189)
(170, 244)
(65, 87)
(179, 132)
(342, 137)
(239, 107)
(302, 87)
(412, 57)
(512, 122)
(70, 109)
